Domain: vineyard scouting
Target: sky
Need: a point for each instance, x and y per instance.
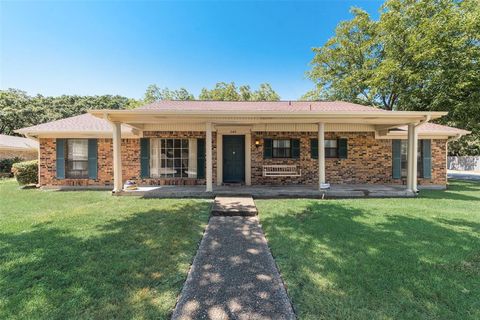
(120, 47)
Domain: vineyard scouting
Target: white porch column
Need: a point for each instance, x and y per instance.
(248, 159)
(117, 157)
(321, 154)
(412, 158)
(209, 157)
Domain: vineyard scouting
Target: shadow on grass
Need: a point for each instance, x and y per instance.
(135, 268)
(455, 191)
(337, 266)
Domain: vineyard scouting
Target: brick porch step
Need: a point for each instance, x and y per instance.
(234, 206)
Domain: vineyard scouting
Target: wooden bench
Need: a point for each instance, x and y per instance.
(281, 171)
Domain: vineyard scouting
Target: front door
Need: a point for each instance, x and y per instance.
(233, 159)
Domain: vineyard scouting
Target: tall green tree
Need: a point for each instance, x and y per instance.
(222, 92)
(419, 55)
(155, 93)
(230, 92)
(18, 109)
(265, 93)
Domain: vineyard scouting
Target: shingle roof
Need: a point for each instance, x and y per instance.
(82, 123)
(12, 142)
(285, 106)
(436, 128)
(87, 123)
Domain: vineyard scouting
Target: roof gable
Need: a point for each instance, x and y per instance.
(82, 123)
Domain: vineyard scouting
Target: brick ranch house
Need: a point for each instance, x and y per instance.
(251, 143)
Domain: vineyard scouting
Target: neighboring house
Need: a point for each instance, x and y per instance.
(18, 147)
(252, 143)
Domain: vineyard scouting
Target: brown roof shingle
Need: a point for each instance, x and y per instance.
(87, 123)
(430, 127)
(12, 142)
(281, 106)
(82, 123)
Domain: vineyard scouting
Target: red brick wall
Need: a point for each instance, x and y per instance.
(369, 161)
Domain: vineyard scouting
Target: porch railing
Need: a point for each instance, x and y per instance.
(281, 171)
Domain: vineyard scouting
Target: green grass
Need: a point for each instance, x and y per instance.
(88, 255)
(380, 258)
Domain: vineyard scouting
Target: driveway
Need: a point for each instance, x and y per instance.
(464, 175)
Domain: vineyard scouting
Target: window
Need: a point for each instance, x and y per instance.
(331, 149)
(76, 159)
(169, 158)
(419, 158)
(337, 148)
(281, 149)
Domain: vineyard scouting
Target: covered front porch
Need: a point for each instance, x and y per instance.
(271, 192)
(252, 128)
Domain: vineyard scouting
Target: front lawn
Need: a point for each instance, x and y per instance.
(380, 258)
(88, 255)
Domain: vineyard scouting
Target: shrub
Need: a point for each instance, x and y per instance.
(26, 172)
(6, 164)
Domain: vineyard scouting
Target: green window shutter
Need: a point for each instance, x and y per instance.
(60, 148)
(342, 148)
(396, 159)
(314, 148)
(144, 157)
(295, 145)
(92, 159)
(201, 158)
(267, 148)
(427, 158)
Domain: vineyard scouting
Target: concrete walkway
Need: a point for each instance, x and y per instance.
(234, 206)
(272, 192)
(233, 275)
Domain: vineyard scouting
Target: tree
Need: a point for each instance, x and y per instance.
(155, 93)
(245, 93)
(344, 66)
(265, 93)
(18, 109)
(222, 92)
(229, 92)
(419, 55)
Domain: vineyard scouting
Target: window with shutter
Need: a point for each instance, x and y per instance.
(201, 158)
(281, 148)
(267, 148)
(333, 148)
(145, 157)
(427, 158)
(314, 148)
(92, 158)
(60, 158)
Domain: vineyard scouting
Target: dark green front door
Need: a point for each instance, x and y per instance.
(233, 158)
